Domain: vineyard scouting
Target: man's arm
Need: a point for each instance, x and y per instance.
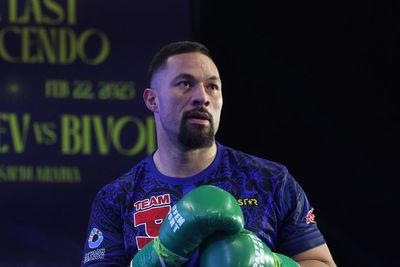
(318, 256)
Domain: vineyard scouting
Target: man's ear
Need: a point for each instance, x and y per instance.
(150, 99)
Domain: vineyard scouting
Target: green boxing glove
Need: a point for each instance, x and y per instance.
(243, 249)
(199, 214)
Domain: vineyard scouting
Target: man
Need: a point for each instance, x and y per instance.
(185, 95)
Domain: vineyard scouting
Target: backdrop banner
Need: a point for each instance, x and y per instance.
(72, 116)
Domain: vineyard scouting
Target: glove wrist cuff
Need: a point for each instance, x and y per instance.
(166, 255)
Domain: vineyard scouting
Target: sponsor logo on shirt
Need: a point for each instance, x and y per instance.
(150, 214)
(247, 201)
(159, 200)
(97, 254)
(95, 238)
(310, 217)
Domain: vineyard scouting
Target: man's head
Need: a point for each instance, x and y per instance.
(185, 95)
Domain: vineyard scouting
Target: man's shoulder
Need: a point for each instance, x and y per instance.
(249, 160)
(125, 182)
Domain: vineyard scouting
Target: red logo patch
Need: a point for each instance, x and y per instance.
(310, 217)
(150, 214)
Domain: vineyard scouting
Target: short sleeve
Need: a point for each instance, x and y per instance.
(104, 245)
(299, 231)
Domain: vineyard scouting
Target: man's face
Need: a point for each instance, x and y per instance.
(189, 100)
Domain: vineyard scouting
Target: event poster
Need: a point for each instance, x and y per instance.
(72, 116)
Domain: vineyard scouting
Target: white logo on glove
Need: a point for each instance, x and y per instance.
(175, 219)
(259, 251)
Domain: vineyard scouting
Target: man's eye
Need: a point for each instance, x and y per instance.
(213, 87)
(185, 84)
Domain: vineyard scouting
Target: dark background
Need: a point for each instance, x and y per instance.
(313, 85)
(309, 84)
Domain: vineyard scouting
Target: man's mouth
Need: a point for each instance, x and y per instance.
(198, 117)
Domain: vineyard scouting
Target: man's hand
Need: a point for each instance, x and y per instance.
(243, 249)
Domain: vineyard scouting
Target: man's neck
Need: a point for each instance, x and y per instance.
(178, 163)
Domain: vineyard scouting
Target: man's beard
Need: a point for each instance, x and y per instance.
(195, 137)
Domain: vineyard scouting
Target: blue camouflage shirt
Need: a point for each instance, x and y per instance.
(128, 212)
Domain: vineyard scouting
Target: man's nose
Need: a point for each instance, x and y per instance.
(200, 95)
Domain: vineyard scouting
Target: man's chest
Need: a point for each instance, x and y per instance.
(145, 215)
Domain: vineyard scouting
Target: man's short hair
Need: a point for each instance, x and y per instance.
(175, 48)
